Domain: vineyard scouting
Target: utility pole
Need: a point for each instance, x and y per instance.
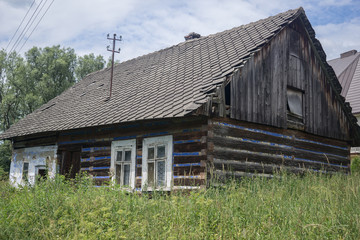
(114, 39)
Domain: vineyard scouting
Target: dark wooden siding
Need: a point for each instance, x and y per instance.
(246, 148)
(189, 148)
(258, 89)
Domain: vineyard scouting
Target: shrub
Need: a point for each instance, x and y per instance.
(355, 165)
(3, 175)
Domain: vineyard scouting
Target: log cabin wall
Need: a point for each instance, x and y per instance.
(189, 149)
(258, 90)
(237, 148)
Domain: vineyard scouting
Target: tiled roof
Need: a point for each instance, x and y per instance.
(164, 84)
(347, 70)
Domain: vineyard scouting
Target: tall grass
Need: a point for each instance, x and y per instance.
(286, 207)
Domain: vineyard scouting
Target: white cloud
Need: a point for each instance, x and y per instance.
(148, 26)
(335, 2)
(338, 38)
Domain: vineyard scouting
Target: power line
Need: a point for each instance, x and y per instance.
(32, 22)
(36, 25)
(19, 37)
(20, 25)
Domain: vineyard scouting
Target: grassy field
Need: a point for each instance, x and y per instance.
(286, 207)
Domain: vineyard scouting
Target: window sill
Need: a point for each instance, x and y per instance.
(295, 125)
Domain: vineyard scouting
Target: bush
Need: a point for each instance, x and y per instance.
(285, 207)
(4, 176)
(5, 155)
(355, 165)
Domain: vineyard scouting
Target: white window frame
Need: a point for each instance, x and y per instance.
(117, 145)
(148, 142)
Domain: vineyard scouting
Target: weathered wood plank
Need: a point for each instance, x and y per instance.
(263, 157)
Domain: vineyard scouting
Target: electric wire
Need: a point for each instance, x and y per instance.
(12, 38)
(21, 34)
(32, 22)
(36, 25)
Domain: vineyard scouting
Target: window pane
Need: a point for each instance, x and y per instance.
(126, 175)
(160, 173)
(150, 153)
(25, 170)
(119, 156)
(160, 151)
(127, 155)
(118, 173)
(151, 171)
(295, 101)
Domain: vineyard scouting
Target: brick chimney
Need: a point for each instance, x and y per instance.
(348, 53)
(192, 35)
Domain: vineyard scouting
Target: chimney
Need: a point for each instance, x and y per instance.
(348, 54)
(192, 35)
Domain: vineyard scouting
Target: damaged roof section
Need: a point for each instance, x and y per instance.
(164, 84)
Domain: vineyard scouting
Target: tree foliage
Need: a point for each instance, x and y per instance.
(5, 156)
(28, 82)
(87, 64)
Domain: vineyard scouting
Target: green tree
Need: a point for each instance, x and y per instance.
(88, 64)
(12, 74)
(51, 70)
(109, 62)
(5, 155)
(26, 84)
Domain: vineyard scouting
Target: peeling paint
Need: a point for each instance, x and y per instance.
(37, 157)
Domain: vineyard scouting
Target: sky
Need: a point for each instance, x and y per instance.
(150, 25)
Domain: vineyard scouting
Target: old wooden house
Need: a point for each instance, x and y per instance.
(249, 100)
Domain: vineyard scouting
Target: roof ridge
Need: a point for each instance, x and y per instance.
(356, 59)
(296, 12)
(352, 62)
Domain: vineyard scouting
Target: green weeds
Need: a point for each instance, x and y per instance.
(286, 207)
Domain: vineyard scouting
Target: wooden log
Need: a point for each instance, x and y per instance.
(254, 167)
(189, 159)
(261, 157)
(99, 163)
(252, 145)
(189, 147)
(249, 133)
(186, 171)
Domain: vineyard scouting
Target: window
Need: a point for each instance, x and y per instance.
(295, 105)
(123, 155)
(157, 163)
(25, 171)
(40, 172)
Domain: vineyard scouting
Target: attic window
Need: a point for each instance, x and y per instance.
(295, 105)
